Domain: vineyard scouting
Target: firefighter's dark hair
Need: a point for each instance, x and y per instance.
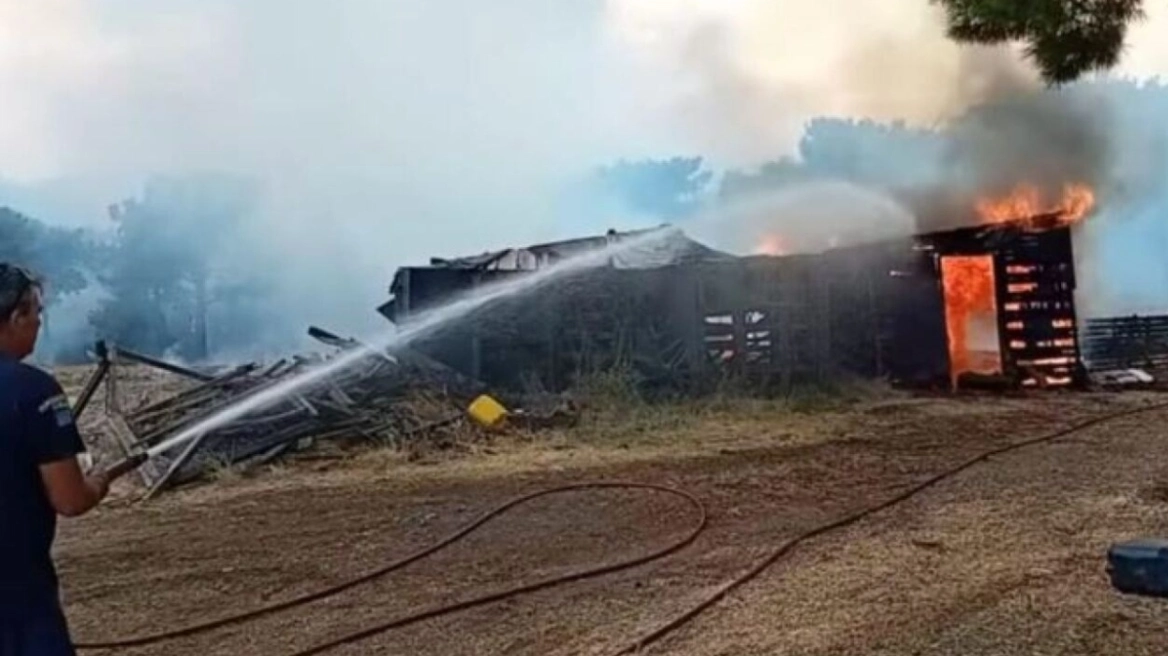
(16, 287)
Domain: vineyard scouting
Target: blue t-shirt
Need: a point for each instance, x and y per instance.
(36, 427)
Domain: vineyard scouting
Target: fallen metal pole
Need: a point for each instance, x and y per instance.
(103, 366)
(336, 341)
(165, 366)
(332, 339)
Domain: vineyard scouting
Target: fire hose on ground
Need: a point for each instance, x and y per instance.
(699, 525)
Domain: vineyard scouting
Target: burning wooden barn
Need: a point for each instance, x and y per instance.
(991, 303)
(1008, 298)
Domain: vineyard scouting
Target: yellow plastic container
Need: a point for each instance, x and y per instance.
(487, 412)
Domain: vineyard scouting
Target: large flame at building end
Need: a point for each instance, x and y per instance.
(1028, 206)
(971, 314)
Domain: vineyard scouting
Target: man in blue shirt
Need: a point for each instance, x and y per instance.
(40, 478)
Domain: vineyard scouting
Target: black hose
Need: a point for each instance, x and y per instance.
(788, 546)
(637, 645)
(699, 525)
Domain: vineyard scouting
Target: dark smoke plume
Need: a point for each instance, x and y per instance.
(1042, 137)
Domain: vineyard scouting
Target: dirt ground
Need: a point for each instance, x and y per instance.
(1007, 558)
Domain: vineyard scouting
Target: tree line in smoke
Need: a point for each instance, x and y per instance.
(152, 278)
(173, 274)
(1103, 132)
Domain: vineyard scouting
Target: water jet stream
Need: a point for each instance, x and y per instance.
(422, 325)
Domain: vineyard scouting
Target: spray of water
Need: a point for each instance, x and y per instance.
(808, 217)
(423, 325)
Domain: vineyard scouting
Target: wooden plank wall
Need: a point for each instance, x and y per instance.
(768, 318)
(776, 321)
(874, 310)
(1126, 342)
(1036, 292)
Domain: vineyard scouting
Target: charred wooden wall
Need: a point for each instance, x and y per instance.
(1034, 275)
(889, 315)
(581, 323)
(1126, 343)
(875, 311)
(871, 311)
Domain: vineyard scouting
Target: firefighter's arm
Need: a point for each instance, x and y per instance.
(70, 492)
(54, 442)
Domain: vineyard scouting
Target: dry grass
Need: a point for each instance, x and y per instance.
(617, 421)
(221, 471)
(618, 426)
(1005, 559)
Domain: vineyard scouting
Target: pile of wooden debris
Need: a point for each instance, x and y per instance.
(391, 399)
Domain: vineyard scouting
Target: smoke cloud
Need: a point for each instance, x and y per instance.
(1045, 138)
(758, 70)
(381, 132)
(748, 74)
(751, 74)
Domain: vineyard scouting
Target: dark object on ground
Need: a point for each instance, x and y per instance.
(1139, 567)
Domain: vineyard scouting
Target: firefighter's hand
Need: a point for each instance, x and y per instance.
(70, 492)
(100, 482)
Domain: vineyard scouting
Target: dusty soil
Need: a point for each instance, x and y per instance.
(1007, 558)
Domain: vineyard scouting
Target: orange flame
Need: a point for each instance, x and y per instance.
(1027, 205)
(772, 245)
(970, 311)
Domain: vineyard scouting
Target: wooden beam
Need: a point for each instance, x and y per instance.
(176, 464)
(129, 443)
(165, 366)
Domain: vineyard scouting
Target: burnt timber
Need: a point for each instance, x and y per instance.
(1126, 343)
(1034, 277)
(689, 320)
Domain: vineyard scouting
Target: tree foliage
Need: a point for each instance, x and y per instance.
(60, 255)
(161, 273)
(1108, 133)
(864, 152)
(1065, 38)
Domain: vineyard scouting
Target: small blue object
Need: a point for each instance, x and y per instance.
(1139, 567)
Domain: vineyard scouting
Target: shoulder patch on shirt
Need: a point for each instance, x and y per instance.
(59, 407)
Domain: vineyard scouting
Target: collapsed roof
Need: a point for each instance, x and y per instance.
(671, 248)
(674, 247)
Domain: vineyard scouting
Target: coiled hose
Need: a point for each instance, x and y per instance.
(699, 524)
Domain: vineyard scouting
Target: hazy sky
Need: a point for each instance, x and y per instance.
(746, 74)
(387, 131)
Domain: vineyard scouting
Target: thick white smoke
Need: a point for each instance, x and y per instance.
(382, 132)
(386, 131)
(745, 75)
(749, 73)
(742, 77)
